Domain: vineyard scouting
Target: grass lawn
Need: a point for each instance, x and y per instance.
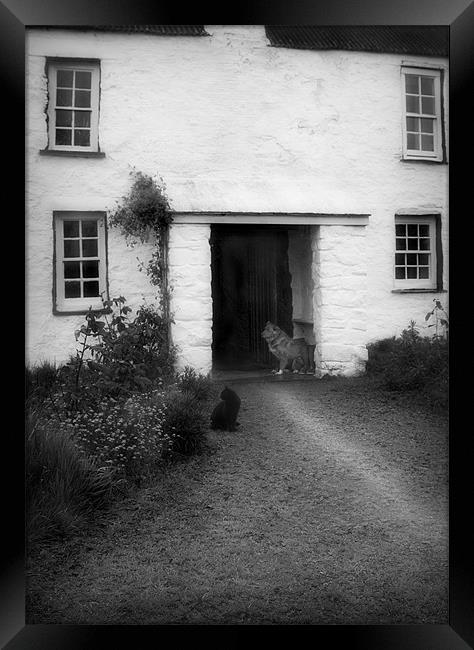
(329, 505)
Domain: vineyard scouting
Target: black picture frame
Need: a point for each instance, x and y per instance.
(15, 16)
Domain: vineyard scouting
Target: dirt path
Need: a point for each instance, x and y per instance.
(328, 506)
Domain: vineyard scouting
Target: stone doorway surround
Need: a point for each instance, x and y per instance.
(338, 270)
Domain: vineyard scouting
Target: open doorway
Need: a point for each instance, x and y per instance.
(251, 284)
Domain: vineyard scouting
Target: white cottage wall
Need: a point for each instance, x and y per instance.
(340, 278)
(230, 124)
(191, 299)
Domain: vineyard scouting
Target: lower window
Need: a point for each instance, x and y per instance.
(416, 253)
(80, 261)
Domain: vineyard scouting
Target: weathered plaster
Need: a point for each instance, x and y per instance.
(232, 124)
(191, 302)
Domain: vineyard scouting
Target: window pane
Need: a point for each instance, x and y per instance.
(71, 248)
(427, 142)
(400, 229)
(63, 97)
(81, 138)
(71, 228)
(83, 79)
(89, 248)
(89, 228)
(399, 273)
(427, 125)
(424, 244)
(412, 230)
(423, 260)
(63, 118)
(63, 136)
(427, 85)
(399, 258)
(82, 98)
(72, 289)
(91, 289)
(72, 270)
(428, 105)
(411, 83)
(413, 124)
(400, 244)
(413, 141)
(411, 272)
(413, 104)
(424, 273)
(424, 230)
(90, 269)
(82, 118)
(413, 244)
(411, 259)
(64, 78)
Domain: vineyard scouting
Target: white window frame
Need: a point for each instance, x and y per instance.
(419, 154)
(79, 305)
(425, 283)
(86, 65)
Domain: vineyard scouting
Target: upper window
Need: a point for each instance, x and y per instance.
(422, 128)
(416, 261)
(80, 274)
(73, 110)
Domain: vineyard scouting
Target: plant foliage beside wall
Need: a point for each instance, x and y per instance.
(145, 209)
(144, 213)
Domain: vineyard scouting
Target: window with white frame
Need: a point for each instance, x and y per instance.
(73, 109)
(422, 127)
(80, 260)
(415, 253)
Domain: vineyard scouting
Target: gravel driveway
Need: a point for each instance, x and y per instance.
(329, 505)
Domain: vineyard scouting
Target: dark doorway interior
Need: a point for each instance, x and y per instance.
(250, 286)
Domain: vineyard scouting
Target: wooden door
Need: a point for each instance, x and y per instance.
(250, 286)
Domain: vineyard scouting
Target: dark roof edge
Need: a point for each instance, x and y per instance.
(157, 30)
(406, 52)
(424, 40)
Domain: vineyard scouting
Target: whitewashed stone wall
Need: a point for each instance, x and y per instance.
(340, 297)
(191, 302)
(230, 124)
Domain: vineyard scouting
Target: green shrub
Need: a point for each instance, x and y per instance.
(186, 421)
(64, 488)
(412, 362)
(118, 355)
(201, 386)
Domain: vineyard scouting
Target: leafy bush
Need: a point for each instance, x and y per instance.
(146, 208)
(412, 362)
(121, 355)
(99, 422)
(126, 437)
(196, 384)
(186, 421)
(64, 487)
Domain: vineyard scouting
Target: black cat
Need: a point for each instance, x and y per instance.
(224, 416)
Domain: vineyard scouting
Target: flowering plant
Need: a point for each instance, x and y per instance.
(126, 437)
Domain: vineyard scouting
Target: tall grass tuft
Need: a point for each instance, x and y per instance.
(40, 381)
(64, 488)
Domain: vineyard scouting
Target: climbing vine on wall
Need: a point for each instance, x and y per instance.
(142, 214)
